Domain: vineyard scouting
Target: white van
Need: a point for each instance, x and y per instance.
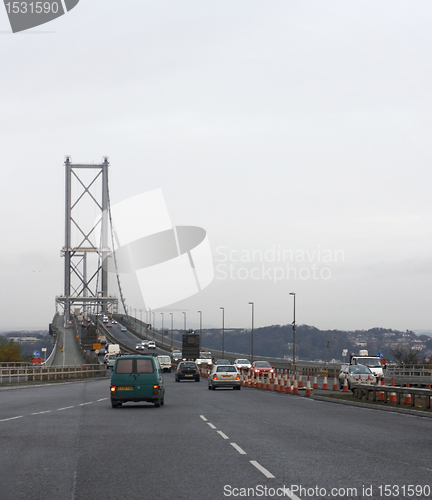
(165, 363)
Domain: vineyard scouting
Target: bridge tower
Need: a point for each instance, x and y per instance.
(86, 240)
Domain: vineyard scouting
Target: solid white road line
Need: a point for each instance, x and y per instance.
(237, 447)
(223, 435)
(211, 425)
(261, 468)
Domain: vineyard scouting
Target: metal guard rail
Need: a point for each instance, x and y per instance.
(37, 372)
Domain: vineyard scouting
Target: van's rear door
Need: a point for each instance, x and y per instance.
(147, 375)
(124, 377)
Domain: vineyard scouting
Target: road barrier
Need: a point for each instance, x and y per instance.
(34, 373)
(404, 395)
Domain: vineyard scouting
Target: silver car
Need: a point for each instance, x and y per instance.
(356, 374)
(224, 376)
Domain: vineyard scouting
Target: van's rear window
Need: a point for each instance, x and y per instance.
(144, 366)
(124, 366)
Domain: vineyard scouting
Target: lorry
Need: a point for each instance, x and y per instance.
(191, 346)
(376, 364)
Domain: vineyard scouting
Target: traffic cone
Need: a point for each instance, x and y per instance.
(325, 382)
(288, 385)
(335, 383)
(276, 382)
(282, 386)
(382, 394)
(308, 387)
(300, 382)
(295, 390)
(407, 399)
(267, 380)
(315, 384)
(345, 385)
(393, 397)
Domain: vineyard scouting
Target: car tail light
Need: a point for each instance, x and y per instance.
(197, 370)
(215, 377)
(238, 377)
(155, 389)
(113, 388)
(179, 371)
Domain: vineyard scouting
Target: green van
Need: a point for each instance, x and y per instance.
(137, 378)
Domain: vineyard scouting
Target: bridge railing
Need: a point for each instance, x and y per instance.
(27, 372)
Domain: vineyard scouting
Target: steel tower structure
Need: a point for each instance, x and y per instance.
(85, 276)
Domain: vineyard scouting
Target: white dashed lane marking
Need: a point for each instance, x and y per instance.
(40, 412)
(258, 466)
(237, 447)
(12, 418)
(65, 408)
(261, 468)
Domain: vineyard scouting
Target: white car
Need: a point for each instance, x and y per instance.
(242, 363)
(151, 345)
(123, 329)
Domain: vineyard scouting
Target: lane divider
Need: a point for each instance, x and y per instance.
(237, 447)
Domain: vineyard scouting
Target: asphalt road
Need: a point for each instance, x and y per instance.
(64, 441)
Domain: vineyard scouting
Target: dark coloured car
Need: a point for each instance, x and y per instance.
(187, 370)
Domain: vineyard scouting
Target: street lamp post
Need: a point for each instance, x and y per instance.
(172, 332)
(200, 313)
(294, 332)
(252, 336)
(162, 329)
(327, 345)
(223, 332)
(154, 324)
(184, 316)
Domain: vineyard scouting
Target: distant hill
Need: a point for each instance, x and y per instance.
(276, 341)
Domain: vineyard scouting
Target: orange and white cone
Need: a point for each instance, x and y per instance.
(382, 394)
(300, 382)
(276, 382)
(267, 380)
(288, 385)
(345, 384)
(393, 397)
(308, 387)
(282, 386)
(295, 389)
(325, 382)
(408, 399)
(315, 384)
(335, 383)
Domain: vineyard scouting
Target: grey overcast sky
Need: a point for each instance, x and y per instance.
(297, 133)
